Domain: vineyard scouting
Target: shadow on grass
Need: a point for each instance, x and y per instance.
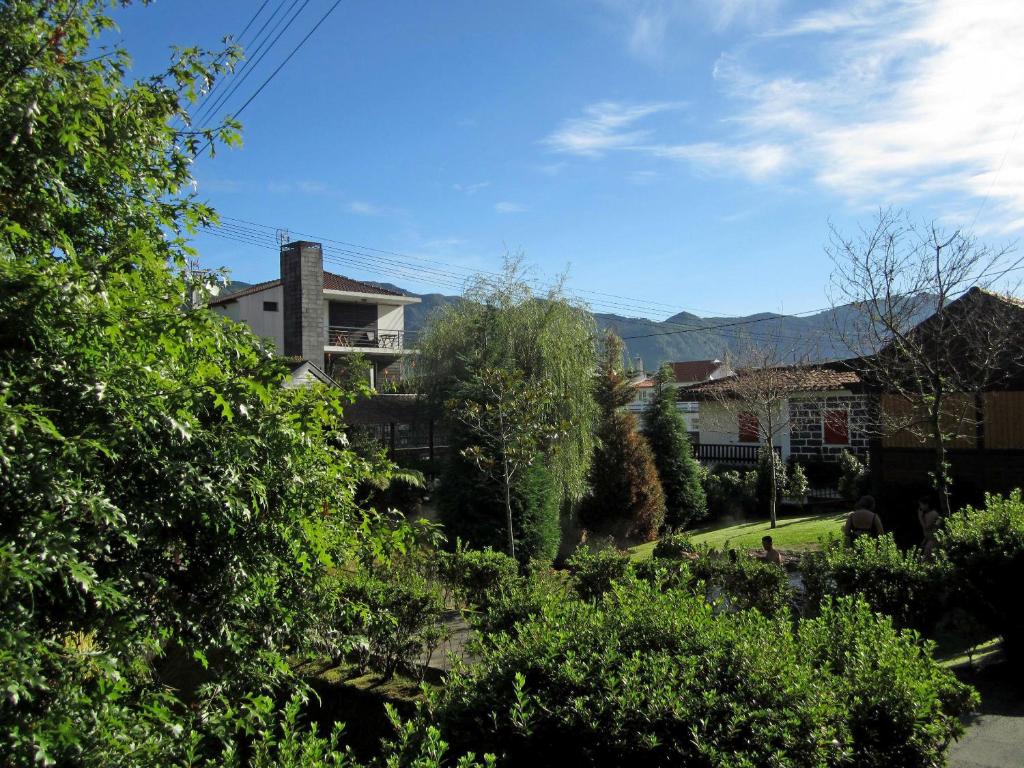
(744, 526)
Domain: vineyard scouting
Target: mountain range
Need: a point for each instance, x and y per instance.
(684, 336)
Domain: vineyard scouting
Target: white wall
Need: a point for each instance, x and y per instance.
(720, 426)
(249, 310)
(390, 317)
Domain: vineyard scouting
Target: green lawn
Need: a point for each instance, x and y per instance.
(791, 534)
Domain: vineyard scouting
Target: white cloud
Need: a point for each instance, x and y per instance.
(831, 20)
(363, 208)
(647, 26)
(471, 189)
(609, 126)
(301, 186)
(921, 98)
(604, 126)
(755, 161)
(508, 207)
(726, 13)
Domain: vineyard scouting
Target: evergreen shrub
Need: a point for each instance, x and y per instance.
(477, 574)
(473, 509)
(645, 677)
(593, 573)
(985, 552)
(892, 581)
(673, 546)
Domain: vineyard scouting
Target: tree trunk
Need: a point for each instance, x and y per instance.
(772, 486)
(508, 517)
(941, 480)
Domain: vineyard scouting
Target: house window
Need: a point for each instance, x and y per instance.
(270, 306)
(837, 427)
(748, 427)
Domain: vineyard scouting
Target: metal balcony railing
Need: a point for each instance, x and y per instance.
(365, 338)
(717, 453)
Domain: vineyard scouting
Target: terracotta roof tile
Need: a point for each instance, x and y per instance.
(332, 282)
(695, 370)
(795, 379)
(227, 298)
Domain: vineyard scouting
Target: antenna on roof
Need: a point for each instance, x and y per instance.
(283, 237)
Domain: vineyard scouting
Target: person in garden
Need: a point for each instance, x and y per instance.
(928, 517)
(862, 521)
(771, 555)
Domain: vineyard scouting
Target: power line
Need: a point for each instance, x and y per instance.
(220, 80)
(371, 262)
(288, 58)
(633, 302)
(356, 255)
(264, 46)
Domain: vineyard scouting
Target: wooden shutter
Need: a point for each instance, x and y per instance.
(837, 427)
(748, 427)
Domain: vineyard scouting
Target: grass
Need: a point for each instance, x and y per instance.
(792, 534)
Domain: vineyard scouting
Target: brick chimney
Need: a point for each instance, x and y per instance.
(302, 284)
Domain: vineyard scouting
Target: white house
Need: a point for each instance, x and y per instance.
(318, 316)
(824, 411)
(685, 373)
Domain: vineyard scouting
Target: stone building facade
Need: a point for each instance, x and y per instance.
(819, 422)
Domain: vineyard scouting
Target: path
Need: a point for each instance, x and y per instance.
(995, 738)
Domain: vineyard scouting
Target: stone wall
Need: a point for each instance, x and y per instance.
(302, 289)
(807, 427)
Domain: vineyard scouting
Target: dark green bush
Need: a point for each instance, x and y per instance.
(744, 584)
(797, 485)
(853, 477)
(476, 575)
(664, 573)
(593, 573)
(673, 546)
(643, 677)
(392, 620)
(900, 708)
(524, 599)
(985, 552)
(893, 581)
(473, 509)
(731, 493)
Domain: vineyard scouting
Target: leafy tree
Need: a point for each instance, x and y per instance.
(547, 340)
(626, 500)
(166, 507)
(665, 430)
(472, 508)
(504, 428)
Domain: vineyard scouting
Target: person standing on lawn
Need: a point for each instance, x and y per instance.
(928, 517)
(863, 521)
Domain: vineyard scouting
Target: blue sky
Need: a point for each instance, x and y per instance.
(680, 155)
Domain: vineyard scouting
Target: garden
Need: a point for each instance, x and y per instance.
(198, 567)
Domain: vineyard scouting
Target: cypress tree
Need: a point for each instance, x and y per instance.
(665, 430)
(625, 500)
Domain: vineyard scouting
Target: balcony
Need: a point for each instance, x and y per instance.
(733, 454)
(366, 339)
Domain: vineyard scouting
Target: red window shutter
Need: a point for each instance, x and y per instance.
(748, 427)
(837, 427)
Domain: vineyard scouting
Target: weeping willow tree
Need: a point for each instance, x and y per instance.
(547, 339)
